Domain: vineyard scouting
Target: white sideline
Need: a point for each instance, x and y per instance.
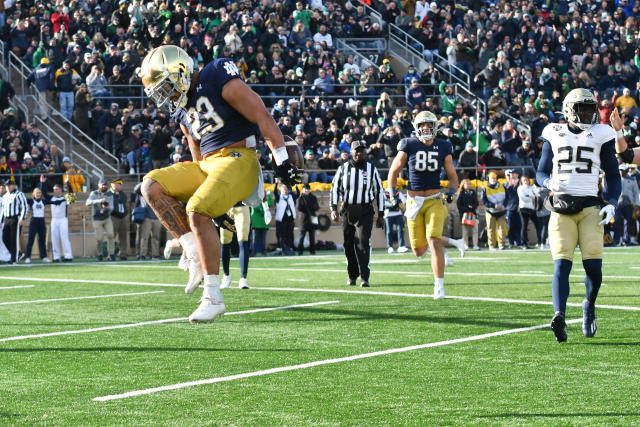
(319, 363)
(16, 287)
(77, 298)
(155, 322)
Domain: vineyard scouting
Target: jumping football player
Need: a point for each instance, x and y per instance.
(572, 156)
(221, 117)
(426, 210)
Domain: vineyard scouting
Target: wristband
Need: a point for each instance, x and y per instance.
(619, 134)
(280, 155)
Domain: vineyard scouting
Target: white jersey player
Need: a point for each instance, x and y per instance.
(572, 157)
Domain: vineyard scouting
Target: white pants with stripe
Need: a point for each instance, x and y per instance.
(60, 233)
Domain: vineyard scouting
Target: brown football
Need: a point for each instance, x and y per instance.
(296, 157)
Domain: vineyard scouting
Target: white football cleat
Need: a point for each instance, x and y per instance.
(168, 248)
(242, 283)
(46, 259)
(390, 250)
(27, 261)
(208, 310)
(225, 282)
(403, 249)
(438, 291)
(448, 262)
(458, 243)
(183, 264)
(195, 275)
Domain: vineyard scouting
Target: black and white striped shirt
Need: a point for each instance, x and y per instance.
(14, 204)
(357, 185)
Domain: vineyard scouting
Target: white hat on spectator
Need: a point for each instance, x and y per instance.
(299, 72)
(339, 101)
(433, 5)
(26, 156)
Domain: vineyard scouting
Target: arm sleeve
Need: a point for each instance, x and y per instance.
(24, 207)
(334, 195)
(609, 165)
(545, 166)
(379, 189)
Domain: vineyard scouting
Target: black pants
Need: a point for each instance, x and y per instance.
(529, 215)
(357, 223)
(37, 227)
(10, 237)
(284, 230)
(312, 240)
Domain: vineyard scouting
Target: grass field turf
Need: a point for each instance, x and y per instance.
(520, 378)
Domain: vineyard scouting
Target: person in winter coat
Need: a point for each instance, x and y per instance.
(467, 203)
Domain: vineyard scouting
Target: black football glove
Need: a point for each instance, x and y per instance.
(226, 222)
(288, 173)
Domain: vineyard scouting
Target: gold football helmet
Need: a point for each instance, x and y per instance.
(166, 75)
(422, 118)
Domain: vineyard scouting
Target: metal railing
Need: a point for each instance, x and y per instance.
(404, 45)
(64, 125)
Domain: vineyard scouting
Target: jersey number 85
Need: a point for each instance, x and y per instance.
(426, 161)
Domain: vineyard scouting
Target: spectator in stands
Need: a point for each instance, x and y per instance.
(6, 93)
(626, 100)
(65, 80)
(415, 96)
(468, 159)
(82, 102)
(73, 180)
(130, 148)
(42, 77)
(97, 84)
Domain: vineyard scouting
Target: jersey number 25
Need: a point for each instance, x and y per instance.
(426, 161)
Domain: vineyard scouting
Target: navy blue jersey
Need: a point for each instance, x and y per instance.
(210, 119)
(425, 161)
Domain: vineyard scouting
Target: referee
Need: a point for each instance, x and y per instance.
(14, 211)
(358, 184)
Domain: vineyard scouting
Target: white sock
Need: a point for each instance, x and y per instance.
(439, 281)
(189, 244)
(212, 287)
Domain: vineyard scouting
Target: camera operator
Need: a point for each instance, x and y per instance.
(101, 201)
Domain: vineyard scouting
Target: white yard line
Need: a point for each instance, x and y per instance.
(319, 363)
(17, 287)
(111, 282)
(155, 322)
(298, 280)
(533, 271)
(78, 298)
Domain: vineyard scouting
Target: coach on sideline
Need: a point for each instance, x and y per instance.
(14, 211)
(358, 183)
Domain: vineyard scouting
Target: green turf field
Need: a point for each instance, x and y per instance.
(387, 355)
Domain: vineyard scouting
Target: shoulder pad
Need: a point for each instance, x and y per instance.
(402, 145)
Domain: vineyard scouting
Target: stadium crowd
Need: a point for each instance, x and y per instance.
(522, 58)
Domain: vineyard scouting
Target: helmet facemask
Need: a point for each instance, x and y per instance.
(165, 89)
(582, 115)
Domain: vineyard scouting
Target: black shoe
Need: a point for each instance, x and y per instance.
(112, 257)
(56, 260)
(589, 326)
(559, 327)
(351, 282)
(142, 258)
(66, 260)
(99, 257)
(364, 284)
(123, 258)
